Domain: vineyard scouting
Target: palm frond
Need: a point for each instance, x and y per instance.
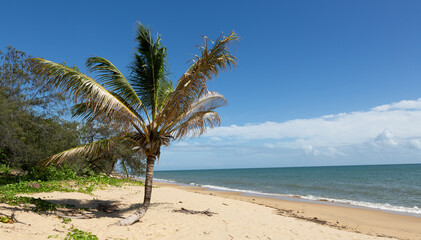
(196, 124)
(85, 111)
(112, 79)
(209, 101)
(88, 112)
(83, 89)
(148, 68)
(165, 90)
(99, 149)
(193, 83)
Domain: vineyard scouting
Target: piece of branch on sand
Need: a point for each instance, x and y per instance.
(187, 211)
(9, 219)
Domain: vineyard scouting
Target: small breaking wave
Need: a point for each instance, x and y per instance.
(380, 206)
(164, 180)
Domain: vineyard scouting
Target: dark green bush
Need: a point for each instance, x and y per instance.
(50, 174)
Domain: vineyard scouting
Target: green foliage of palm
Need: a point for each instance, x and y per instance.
(149, 110)
(122, 155)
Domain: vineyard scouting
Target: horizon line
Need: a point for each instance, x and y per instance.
(357, 165)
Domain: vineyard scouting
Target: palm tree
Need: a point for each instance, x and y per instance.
(149, 110)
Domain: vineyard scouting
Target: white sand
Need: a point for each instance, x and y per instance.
(234, 219)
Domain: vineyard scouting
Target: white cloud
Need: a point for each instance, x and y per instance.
(404, 104)
(389, 133)
(181, 144)
(310, 150)
(216, 139)
(415, 143)
(402, 118)
(386, 138)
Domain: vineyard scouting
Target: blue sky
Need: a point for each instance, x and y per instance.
(317, 82)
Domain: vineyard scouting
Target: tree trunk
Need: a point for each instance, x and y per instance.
(125, 169)
(147, 197)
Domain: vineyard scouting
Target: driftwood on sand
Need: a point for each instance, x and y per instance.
(186, 211)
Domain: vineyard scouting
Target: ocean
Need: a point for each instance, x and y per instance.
(395, 188)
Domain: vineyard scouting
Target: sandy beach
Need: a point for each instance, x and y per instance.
(235, 217)
(347, 218)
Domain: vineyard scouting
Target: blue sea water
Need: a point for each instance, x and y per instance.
(386, 187)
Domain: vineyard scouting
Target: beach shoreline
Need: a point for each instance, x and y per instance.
(234, 216)
(370, 221)
(298, 198)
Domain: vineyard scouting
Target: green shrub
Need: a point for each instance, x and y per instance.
(77, 234)
(50, 173)
(4, 170)
(67, 220)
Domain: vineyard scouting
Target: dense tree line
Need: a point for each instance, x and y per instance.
(28, 132)
(33, 125)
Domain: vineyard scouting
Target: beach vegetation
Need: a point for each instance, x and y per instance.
(149, 111)
(51, 179)
(76, 234)
(31, 128)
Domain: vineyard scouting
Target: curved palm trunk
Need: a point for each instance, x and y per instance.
(147, 198)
